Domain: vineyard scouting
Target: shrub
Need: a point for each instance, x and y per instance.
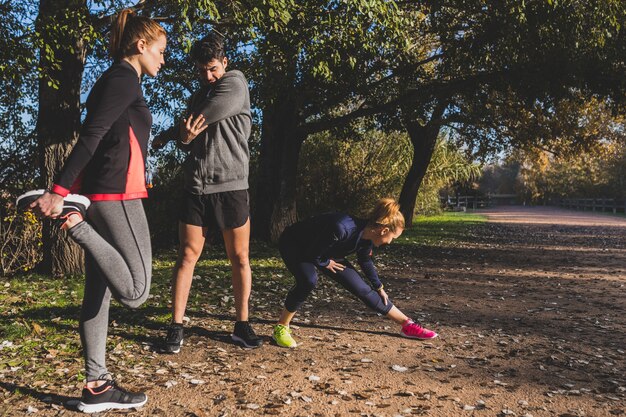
(350, 175)
(20, 241)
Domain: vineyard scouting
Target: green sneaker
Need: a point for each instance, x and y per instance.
(282, 336)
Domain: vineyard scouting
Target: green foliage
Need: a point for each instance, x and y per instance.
(506, 66)
(60, 34)
(577, 150)
(20, 241)
(565, 126)
(18, 82)
(350, 175)
(325, 53)
(17, 55)
(599, 173)
(447, 166)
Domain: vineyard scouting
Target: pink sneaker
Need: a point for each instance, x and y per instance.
(413, 330)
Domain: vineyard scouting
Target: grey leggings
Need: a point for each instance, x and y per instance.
(118, 262)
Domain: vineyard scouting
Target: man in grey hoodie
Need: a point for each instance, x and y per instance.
(215, 134)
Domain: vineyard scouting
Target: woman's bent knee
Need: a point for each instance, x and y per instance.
(134, 303)
(138, 297)
(306, 286)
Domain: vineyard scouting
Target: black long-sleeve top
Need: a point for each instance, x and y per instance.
(335, 236)
(108, 161)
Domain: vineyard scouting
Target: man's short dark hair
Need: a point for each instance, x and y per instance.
(208, 48)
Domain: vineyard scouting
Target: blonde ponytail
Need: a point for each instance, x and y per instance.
(387, 213)
(128, 29)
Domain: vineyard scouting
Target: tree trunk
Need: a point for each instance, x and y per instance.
(58, 120)
(424, 139)
(278, 169)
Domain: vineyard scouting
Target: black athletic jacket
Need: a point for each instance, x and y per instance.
(334, 236)
(108, 161)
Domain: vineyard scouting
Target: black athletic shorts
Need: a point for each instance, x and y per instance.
(216, 212)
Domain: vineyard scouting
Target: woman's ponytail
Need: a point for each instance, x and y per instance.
(117, 31)
(127, 29)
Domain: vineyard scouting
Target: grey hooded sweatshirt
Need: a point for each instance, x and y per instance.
(218, 158)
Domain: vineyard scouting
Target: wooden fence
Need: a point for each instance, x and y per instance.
(474, 202)
(603, 205)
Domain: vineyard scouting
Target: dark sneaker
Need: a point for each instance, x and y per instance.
(70, 208)
(72, 204)
(109, 396)
(245, 336)
(174, 338)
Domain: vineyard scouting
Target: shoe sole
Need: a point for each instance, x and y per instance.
(27, 198)
(420, 338)
(95, 408)
(77, 198)
(242, 342)
(295, 345)
(173, 351)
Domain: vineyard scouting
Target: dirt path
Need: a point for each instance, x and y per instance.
(551, 215)
(531, 310)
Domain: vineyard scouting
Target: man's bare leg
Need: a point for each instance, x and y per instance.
(191, 244)
(237, 242)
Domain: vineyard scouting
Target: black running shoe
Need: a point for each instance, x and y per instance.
(245, 336)
(72, 204)
(109, 396)
(174, 338)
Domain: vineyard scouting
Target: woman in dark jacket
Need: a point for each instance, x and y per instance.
(322, 243)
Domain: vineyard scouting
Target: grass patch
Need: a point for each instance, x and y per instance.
(442, 230)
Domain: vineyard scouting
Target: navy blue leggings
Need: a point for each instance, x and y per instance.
(305, 273)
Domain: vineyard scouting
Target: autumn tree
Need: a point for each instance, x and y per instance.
(480, 63)
(575, 148)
